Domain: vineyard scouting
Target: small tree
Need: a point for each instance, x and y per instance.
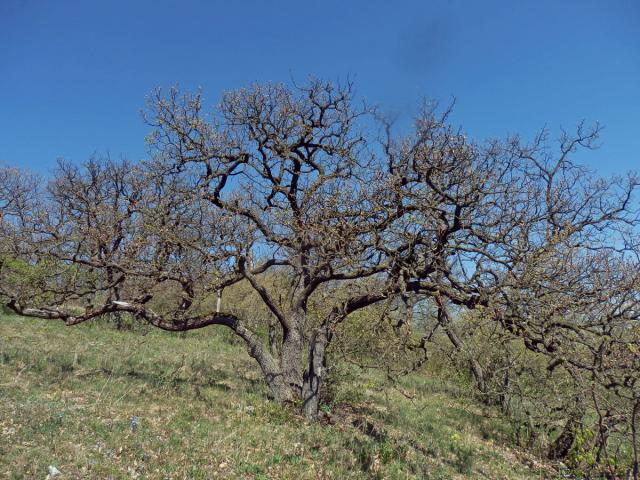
(306, 184)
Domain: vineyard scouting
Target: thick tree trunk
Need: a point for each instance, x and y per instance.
(279, 386)
(315, 372)
(280, 390)
(282, 373)
(291, 354)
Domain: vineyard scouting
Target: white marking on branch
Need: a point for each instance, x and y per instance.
(122, 304)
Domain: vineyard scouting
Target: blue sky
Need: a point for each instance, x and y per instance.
(74, 74)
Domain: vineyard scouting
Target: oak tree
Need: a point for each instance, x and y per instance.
(306, 184)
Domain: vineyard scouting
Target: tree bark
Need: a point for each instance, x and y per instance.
(315, 371)
(279, 388)
(278, 385)
(273, 338)
(291, 354)
(634, 438)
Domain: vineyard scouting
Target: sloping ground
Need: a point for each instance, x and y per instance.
(98, 403)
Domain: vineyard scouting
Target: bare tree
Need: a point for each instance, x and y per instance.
(307, 183)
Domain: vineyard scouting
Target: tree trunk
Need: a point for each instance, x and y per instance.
(315, 372)
(504, 396)
(280, 389)
(273, 338)
(561, 447)
(634, 438)
(474, 365)
(273, 372)
(291, 354)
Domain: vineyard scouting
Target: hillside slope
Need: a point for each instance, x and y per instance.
(98, 403)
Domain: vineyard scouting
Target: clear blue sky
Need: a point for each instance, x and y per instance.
(74, 74)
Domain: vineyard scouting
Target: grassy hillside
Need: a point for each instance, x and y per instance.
(99, 403)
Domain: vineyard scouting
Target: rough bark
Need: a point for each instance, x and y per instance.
(315, 371)
(291, 351)
(281, 392)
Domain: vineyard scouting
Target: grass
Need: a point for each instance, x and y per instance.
(99, 403)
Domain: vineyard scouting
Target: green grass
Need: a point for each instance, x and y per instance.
(68, 397)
